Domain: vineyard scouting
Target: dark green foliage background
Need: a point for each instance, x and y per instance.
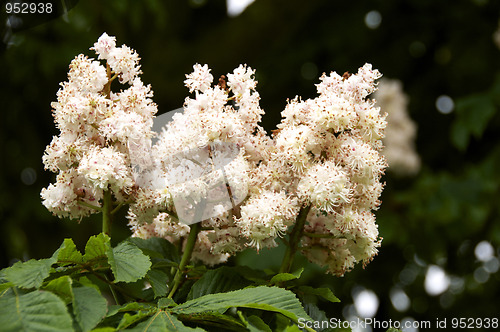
(438, 216)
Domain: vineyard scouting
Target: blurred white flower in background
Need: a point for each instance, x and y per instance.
(401, 130)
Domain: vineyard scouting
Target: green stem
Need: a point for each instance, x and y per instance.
(294, 240)
(111, 288)
(107, 207)
(94, 207)
(171, 214)
(186, 257)
(117, 208)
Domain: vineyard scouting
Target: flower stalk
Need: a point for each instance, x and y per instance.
(294, 240)
(186, 257)
(107, 209)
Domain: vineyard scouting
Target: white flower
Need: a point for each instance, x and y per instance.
(200, 79)
(203, 251)
(87, 75)
(104, 45)
(401, 131)
(106, 167)
(293, 145)
(333, 112)
(62, 197)
(325, 186)
(137, 99)
(364, 162)
(241, 81)
(64, 151)
(125, 62)
(265, 216)
(165, 227)
(332, 253)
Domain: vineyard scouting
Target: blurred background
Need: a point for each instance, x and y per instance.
(440, 219)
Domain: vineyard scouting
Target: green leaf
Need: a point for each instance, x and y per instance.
(129, 320)
(68, 254)
(265, 298)
(97, 247)
(325, 293)
(158, 280)
(162, 321)
(315, 313)
(35, 311)
(257, 324)
(131, 306)
(473, 113)
(5, 286)
(214, 319)
(166, 302)
(220, 280)
(29, 274)
(127, 262)
(62, 288)
(89, 307)
(85, 281)
(282, 277)
(104, 329)
(157, 248)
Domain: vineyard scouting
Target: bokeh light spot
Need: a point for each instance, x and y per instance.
(436, 280)
(366, 303)
(409, 324)
(492, 265)
(373, 19)
(481, 275)
(28, 176)
(484, 251)
(445, 104)
(236, 7)
(400, 301)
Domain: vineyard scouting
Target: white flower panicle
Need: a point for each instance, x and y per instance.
(332, 146)
(401, 131)
(214, 164)
(325, 154)
(103, 134)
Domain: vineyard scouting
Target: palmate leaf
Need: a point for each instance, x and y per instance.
(67, 254)
(220, 280)
(158, 280)
(36, 311)
(282, 277)
(89, 307)
(29, 274)
(325, 293)
(157, 248)
(215, 319)
(131, 306)
(130, 319)
(256, 324)
(128, 263)
(265, 298)
(62, 287)
(163, 321)
(96, 248)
